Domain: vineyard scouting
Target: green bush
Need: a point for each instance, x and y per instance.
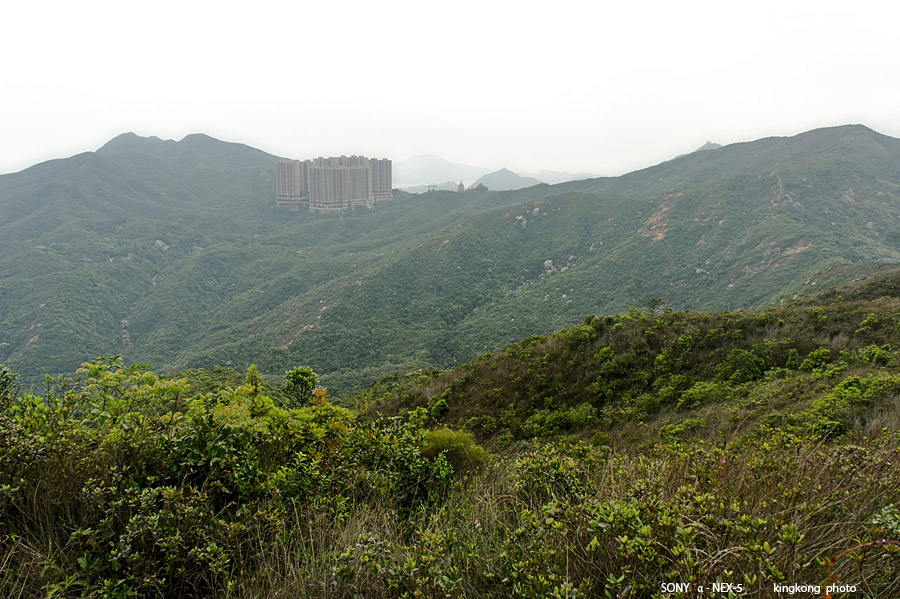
(816, 359)
(833, 413)
(8, 387)
(299, 384)
(440, 407)
(677, 430)
(555, 471)
(702, 393)
(740, 366)
(877, 356)
(458, 447)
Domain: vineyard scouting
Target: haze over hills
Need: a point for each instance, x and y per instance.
(445, 186)
(505, 180)
(428, 169)
(173, 253)
(428, 172)
(553, 177)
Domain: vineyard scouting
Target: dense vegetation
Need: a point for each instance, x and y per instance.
(173, 254)
(819, 366)
(604, 460)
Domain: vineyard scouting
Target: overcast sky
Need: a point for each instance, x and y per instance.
(604, 87)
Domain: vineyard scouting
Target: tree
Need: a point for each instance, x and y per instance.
(254, 380)
(301, 381)
(8, 387)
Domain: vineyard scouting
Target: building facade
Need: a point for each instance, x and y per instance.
(289, 185)
(334, 184)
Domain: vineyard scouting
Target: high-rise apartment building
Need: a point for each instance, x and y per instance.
(381, 176)
(289, 185)
(332, 184)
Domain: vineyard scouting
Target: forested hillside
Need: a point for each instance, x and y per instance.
(173, 253)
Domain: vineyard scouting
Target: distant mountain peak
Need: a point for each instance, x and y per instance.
(708, 146)
(124, 138)
(202, 139)
(195, 147)
(505, 180)
(129, 142)
(198, 136)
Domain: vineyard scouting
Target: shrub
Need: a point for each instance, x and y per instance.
(702, 393)
(8, 387)
(816, 359)
(793, 359)
(877, 356)
(459, 447)
(833, 413)
(677, 430)
(740, 366)
(578, 337)
(440, 407)
(555, 471)
(601, 439)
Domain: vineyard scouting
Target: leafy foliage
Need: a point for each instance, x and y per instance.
(300, 383)
(149, 491)
(120, 483)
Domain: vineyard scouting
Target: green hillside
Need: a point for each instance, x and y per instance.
(814, 150)
(822, 365)
(744, 452)
(179, 245)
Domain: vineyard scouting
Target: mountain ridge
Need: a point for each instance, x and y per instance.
(205, 270)
(754, 156)
(198, 147)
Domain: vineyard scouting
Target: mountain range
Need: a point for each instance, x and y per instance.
(429, 169)
(430, 173)
(173, 253)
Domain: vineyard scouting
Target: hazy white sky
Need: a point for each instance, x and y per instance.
(604, 87)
